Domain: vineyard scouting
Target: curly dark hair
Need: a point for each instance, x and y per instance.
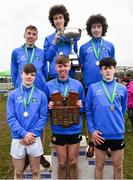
(96, 19)
(58, 9)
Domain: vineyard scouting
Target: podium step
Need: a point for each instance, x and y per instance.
(86, 165)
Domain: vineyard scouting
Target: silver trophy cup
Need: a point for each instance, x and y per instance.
(72, 35)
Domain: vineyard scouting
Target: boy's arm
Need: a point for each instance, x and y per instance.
(82, 98)
(112, 53)
(89, 109)
(14, 68)
(45, 68)
(12, 119)
(41, 123)
(49, 49)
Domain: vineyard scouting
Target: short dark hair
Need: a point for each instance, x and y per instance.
(96, 19)
(58, 9)
(29, 68)
(31, 27)
(126, 79)
(62, 59)
(107, 62)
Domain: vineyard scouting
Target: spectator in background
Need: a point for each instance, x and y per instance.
(129, 84)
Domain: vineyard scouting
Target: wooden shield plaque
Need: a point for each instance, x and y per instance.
(65, 111)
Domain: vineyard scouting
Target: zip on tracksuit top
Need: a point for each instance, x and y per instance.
(52, 51)
(87, 59)
(19, 59)
(37, 110)
(73, 86)
(99, 116)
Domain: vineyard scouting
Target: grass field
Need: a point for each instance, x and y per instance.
(6, 168)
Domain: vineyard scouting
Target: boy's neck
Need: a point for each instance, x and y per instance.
(29, 46)
(27, 86)
(108, 80)
(63, 79)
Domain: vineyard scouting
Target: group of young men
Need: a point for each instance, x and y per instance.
(29, 103)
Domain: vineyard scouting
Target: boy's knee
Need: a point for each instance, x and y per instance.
(18, 173)
(62, 165)
(118, 167)
(73, 164)
(100, 166)
(35, 172)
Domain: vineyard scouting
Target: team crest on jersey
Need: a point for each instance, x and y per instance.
(34, 100)
(19, 99)
(103, 48)
(99, 92)
(89, 50)
(37, 58)
(23, 58)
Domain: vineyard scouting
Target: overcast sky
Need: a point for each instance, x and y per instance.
(15, 15)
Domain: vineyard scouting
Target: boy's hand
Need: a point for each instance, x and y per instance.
(51, 104)
(96, 136)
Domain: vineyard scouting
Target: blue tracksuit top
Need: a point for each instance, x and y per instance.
(74, 86)
(37, 110)
(91, 71)
(19, 59)
(52, 51)
(99, 116)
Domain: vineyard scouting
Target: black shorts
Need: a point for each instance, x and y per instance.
(62, 139)
(113, 144)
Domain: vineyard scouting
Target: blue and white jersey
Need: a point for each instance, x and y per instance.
(52, 51)
(74, 86)
(99, 114)
(19, 59)
(88, 61)
(37, 112)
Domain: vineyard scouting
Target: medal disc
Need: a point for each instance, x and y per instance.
(61, 53)
(112, 108)
(25, 114)
(97, 63)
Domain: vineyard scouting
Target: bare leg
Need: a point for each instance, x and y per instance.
(117, 159)
(73, 152)
(43, 161)
(35, 167)
(62, 160)
(18, 168)
(100, 160)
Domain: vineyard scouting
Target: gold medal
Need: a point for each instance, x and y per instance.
(25, 114)
(112, 108)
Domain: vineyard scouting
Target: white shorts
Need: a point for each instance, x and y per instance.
(19, 151)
